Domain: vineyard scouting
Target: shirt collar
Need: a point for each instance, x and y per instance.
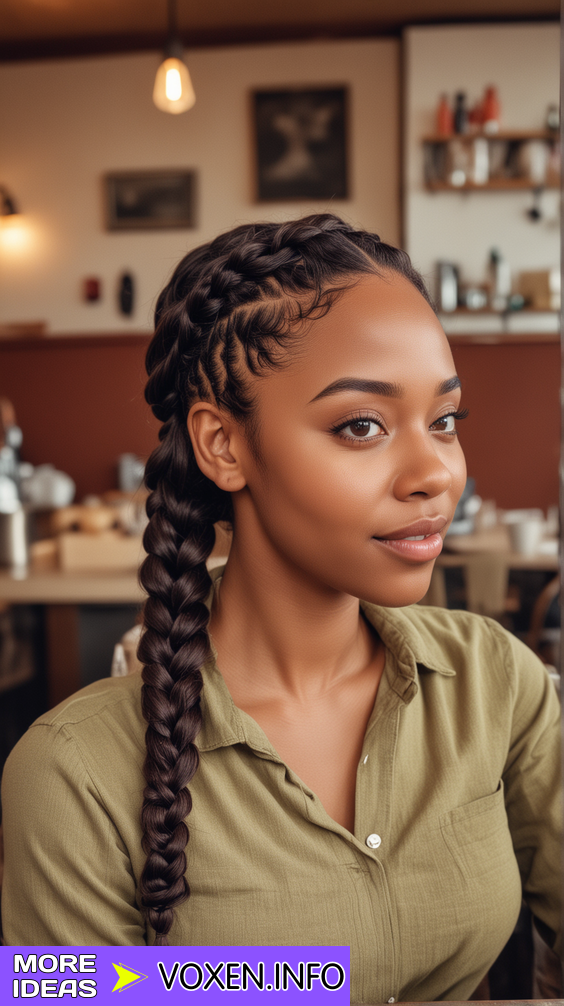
(409, 639)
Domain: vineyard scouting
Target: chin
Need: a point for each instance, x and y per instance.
(398, 591)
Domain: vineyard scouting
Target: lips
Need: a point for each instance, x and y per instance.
(425, 527)
(427, 545)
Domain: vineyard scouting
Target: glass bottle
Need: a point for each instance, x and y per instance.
(444, 117)
(491, 111)
(460, 113)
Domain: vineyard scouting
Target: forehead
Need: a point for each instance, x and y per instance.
(380, 328)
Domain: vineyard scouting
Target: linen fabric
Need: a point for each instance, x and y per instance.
(457, 794)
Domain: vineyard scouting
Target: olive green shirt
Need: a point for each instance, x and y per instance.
(457, 813)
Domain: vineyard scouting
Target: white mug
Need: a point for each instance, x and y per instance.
(525, 535)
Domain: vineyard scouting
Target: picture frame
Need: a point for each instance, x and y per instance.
(150, 200)
(301, 144)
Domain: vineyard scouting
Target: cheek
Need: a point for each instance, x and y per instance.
(317, 491)
(459, 473)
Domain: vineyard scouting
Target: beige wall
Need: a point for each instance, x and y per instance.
(523, 61)
(63, 124)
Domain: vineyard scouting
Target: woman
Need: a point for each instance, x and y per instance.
(318, 770)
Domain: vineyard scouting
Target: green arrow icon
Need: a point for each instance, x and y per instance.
(127, 976)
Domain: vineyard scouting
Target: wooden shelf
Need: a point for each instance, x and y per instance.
(501, 338)
(472, 312)
(437, 162)
(74, 341)
(496, 185)
(514, 135)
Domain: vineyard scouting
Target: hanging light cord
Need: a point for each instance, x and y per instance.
(172, 19)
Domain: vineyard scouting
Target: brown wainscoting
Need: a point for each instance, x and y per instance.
(79, 401)
(511, 437)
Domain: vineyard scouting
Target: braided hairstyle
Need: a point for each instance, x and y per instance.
(228, 310)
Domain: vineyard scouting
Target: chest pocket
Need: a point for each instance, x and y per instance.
(478, 838)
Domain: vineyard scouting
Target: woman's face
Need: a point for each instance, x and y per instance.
(357, 449)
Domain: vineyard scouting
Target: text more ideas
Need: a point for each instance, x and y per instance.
(54, 988)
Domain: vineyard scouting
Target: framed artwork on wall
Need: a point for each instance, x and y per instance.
(150, 200)
(301, 144)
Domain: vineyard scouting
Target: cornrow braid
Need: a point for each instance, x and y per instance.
(229, 308)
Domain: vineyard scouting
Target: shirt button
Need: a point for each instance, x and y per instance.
(374, 842)
(365, 760)
(391, 999)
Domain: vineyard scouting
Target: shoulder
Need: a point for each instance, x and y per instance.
(454, 636)
(98, 733)
(438, 635)
(103, 700)
(461, 643)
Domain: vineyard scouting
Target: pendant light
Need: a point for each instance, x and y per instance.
(173, 91)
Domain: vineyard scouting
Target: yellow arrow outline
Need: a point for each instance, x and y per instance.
(139, 977)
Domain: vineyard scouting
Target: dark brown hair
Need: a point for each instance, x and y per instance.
(228, 309)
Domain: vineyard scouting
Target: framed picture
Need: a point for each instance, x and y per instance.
(301, 144)
(150, 200)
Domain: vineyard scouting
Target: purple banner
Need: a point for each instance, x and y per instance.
(320, 974)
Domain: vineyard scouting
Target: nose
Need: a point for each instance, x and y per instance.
(421, 471)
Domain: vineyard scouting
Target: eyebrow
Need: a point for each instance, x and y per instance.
(384, 388)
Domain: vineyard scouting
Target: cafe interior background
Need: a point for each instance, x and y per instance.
(300, 107)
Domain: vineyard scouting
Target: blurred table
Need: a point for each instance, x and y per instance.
(61, 593)
(55, 587)
(485, 558)
(459, 548)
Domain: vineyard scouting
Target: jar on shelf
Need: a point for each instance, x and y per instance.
(480, 161)
(459, 163)
(553, 118)
(533, 161)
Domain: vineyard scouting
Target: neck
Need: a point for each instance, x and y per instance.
(278, 628)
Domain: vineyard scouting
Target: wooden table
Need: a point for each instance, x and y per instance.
(458, 548)
(55, 587)
(460, 551)
(61, 593)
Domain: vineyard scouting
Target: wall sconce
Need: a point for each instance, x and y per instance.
(173, 91)
(7, 204)
(14, 233)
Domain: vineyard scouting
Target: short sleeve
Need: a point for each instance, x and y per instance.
(68, 880)
(532, 781)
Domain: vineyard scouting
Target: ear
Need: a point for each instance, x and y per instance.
(216, 440)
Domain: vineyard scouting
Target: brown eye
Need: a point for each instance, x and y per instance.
(445, 424)
(361, 429)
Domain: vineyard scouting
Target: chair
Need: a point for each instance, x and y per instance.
(125, 660)
(486, 577)
(538, 634)
(486, 586)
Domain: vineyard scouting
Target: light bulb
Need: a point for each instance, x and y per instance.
(173, 91)
(14, 236)
(173, 85)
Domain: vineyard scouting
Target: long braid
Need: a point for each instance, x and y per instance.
(227, 310)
